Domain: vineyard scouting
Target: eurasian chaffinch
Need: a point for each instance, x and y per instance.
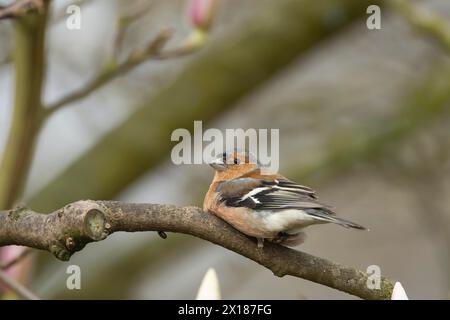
(264, 206)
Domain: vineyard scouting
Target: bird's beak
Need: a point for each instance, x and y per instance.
(218, 164)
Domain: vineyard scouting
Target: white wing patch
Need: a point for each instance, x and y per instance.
(254, 192)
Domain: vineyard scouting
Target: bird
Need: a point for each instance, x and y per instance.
(264, 206)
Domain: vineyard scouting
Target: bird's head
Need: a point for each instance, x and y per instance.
(234, 164)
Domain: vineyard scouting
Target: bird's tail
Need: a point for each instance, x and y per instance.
(329, 216)
(347, 223)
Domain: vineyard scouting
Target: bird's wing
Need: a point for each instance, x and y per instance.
(261, 194)
(277, 195)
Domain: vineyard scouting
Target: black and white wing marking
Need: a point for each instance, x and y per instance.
(260, 194)
(275, 196)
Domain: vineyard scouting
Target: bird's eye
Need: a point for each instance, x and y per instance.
(236, 161)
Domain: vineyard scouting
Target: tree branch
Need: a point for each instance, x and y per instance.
(70, 228)
(125, 20)
(29, 64)
(113, 70)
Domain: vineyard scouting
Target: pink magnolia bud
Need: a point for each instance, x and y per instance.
(202, 13)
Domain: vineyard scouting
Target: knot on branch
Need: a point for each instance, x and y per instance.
(94, 221)
(81, 222)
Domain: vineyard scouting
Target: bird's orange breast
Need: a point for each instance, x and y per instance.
(241, 218)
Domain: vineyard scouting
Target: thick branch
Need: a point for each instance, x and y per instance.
(16, 287)
(69, 229)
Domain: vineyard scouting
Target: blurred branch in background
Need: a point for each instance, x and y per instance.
(147, 257)
(227, 70)
(6, 60)
(425, 21)
(17, 259)
(29, 113)
(124, 21)
(29, 58)
(69, 229)
(423, 103)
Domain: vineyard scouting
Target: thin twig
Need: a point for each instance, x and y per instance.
(69, 229)
(124, 21)
(20, 8)
(16, 287)
(20, 257)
